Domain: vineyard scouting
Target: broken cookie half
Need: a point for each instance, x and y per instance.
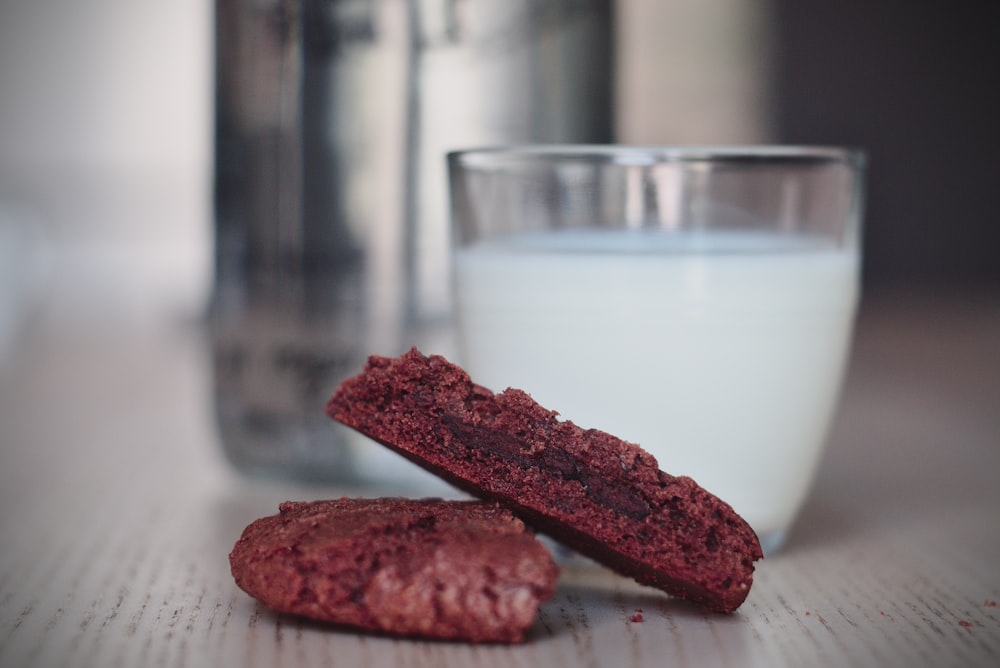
(604, 497)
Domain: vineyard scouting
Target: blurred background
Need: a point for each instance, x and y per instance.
(106, 135)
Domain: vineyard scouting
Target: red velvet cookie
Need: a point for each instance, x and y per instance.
(604, 497)
(456, 570)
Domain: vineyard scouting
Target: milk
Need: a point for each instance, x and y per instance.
(719, 353)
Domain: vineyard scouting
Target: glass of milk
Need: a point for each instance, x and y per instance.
(696, 301)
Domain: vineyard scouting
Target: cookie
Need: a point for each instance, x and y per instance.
(453, 570)
(604, 497)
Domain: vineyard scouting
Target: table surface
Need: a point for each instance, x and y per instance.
(117, 513)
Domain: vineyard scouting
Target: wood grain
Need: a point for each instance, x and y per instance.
(117, 516)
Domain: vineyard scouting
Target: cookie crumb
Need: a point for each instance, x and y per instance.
(637, 616)
(965, 624)
(808, 613)
(989, 604)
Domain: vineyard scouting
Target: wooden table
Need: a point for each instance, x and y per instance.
(117, 514)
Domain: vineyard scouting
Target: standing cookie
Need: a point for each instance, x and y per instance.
(604, 497)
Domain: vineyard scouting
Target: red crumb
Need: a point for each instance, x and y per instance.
(882, 612)
(637, 617)
(965, 624)
(808, 613)
(990, 604)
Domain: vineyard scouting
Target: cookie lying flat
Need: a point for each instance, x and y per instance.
(594, 492)
(455, 570)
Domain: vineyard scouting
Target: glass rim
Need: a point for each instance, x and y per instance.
(649, 155)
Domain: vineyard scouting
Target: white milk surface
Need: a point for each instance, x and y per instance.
(719, 353)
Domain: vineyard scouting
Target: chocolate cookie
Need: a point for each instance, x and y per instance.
(456, 570)
(604, 497)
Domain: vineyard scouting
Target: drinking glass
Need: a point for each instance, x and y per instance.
(697, 301)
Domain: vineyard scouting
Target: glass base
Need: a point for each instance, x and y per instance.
(771, 542)
(316, 450)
